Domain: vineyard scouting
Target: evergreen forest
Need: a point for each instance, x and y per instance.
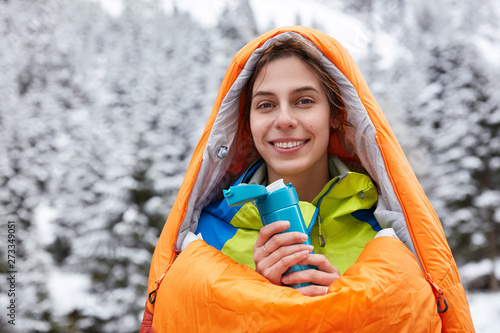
(100, 112)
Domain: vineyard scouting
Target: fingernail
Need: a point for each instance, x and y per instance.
(285, 224)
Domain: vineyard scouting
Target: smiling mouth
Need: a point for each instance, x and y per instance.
(289, 144)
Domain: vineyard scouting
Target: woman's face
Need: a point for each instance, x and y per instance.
(290, 120)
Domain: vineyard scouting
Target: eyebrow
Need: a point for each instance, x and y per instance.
(301, 89)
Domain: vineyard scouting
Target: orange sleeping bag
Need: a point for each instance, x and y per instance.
(395, 285)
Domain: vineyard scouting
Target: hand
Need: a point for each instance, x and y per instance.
(322, 277)
(275, 252)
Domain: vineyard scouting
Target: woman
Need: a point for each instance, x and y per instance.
(292, 108)
(287, 111)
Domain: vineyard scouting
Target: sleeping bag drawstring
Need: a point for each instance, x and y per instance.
(439, 293)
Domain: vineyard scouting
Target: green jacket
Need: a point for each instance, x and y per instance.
(339, 220)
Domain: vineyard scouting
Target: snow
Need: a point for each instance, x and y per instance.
(484, 307)
(473, 270)
(485, 311)
(91, 183)
(44, 216)
(351, 32)
(354, 34)
(69, 291)
(488, 199)
(471, 162)
(113, 7)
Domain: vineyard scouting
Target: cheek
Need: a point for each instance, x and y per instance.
(321, 131)
(319, 125)
(251, 124)
(258, 124)
(255, 128)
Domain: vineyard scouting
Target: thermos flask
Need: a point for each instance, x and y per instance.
(276, 202)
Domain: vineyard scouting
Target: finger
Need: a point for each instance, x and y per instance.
(324, 275)
(321, 262)
(263, 247)
(313, 290)
(270, 230)
(285, 239)
(273, 266)
(310, 276)
(286, 251)
(274, 271)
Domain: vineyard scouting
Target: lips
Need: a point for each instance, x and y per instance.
(289, 144)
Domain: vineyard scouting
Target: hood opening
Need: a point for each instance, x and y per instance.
(357, 146)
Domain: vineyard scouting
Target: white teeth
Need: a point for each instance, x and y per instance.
(290, 144)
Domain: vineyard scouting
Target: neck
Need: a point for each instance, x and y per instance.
(307, 186)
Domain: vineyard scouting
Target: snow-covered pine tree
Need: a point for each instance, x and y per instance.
(460, 121)
(29, 111)
(235, 27)
(132, 143)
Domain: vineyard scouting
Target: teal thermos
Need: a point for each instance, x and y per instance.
(281, 204)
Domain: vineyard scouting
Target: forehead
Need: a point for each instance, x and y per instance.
(290, 72)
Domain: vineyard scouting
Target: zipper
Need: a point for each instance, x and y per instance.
(438, 292)
(322, 241)
(316, 216)
(152, 295)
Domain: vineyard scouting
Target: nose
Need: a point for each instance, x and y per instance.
(285, 119)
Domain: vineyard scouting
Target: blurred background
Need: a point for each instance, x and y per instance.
(103, 102)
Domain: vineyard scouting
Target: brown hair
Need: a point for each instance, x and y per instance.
(311, 56)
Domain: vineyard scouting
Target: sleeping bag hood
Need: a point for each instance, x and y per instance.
(410, 284)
